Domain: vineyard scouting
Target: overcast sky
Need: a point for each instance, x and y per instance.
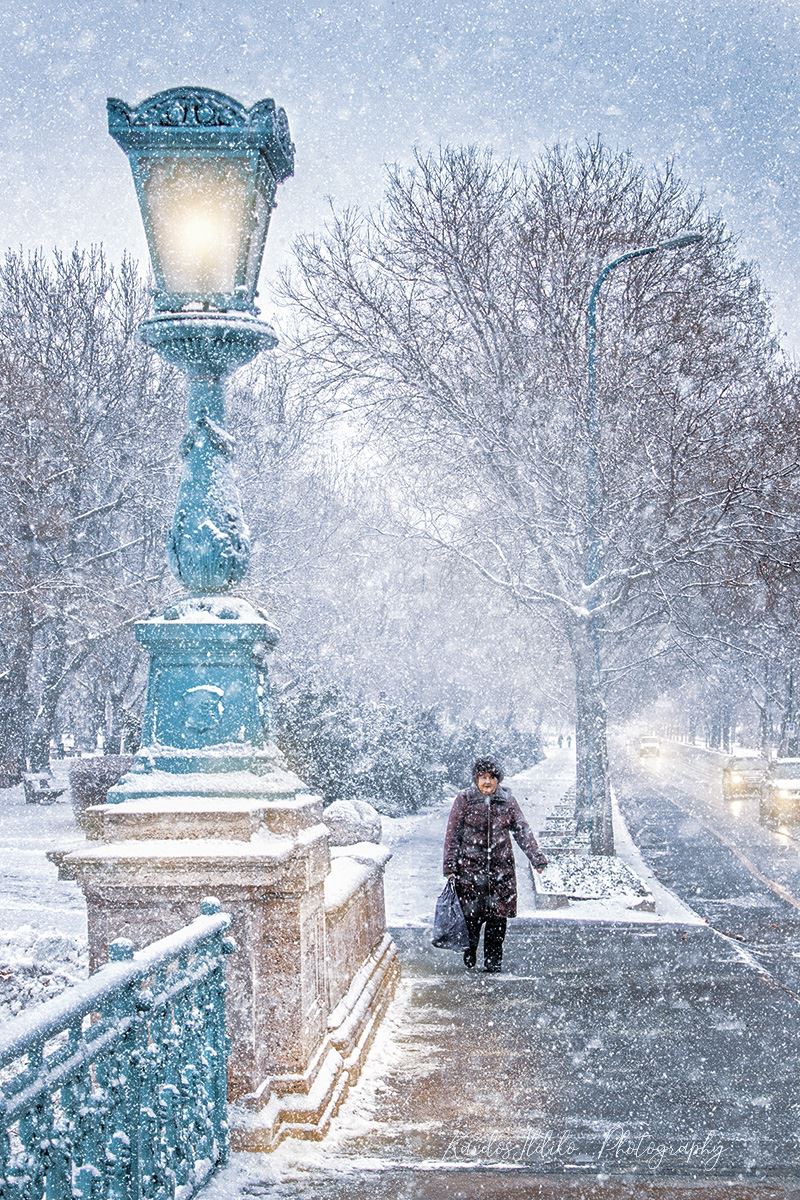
(714, 82)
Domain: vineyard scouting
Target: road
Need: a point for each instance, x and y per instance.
(742, 878)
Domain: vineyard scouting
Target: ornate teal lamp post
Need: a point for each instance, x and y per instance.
(210, 808)
(206, 170)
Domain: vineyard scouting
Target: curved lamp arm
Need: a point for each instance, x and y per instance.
(592, 420)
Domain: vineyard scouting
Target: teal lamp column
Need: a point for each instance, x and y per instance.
(209, 807)
(206, 171)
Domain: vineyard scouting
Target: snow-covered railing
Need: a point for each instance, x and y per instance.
(117, 1089)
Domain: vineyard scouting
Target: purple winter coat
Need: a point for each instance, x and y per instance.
(477, 848)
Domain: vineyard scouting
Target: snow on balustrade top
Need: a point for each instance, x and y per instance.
(348, 874)
(351, 821)
(153, 850)
(363, 852)
(250, 796)
(200, 786)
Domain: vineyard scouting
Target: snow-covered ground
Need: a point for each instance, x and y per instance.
(42, 919)
(30, 890)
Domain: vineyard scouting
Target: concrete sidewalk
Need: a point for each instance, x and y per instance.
(610, 1060)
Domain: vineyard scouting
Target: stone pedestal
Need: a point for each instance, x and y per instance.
(257, 842)
(209, 808)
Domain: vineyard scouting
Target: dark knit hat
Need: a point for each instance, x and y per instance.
(487, 766)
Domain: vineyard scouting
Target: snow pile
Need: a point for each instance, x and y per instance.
(36, 966)
(592, 877)
(352, 821)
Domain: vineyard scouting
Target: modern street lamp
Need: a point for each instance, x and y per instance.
(593, 555)
(206, 170)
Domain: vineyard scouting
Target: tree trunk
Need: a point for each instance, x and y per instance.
(53, 679)
(726, 723)
(766, 713)
(593, 792)
(114, 723)
(15, 702)
(788, 739)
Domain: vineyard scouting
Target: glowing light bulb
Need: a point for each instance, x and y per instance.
(198, 233)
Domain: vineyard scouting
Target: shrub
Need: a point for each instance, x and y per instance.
(91, 778)
(348, 746)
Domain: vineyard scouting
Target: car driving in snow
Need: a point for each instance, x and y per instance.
(743, 776)
(649, 747)
(780, 798)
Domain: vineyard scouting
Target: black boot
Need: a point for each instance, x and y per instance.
(470, 957)
(493, 944)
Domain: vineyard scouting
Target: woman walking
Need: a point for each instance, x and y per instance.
(479, 858)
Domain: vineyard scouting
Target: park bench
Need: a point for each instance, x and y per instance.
(39, 788)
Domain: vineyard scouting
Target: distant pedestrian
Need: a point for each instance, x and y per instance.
(569, 741)
(560, 740)
(479, 858)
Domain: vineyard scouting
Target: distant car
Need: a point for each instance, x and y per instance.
(649, 747)
(743, 776)
(780, 798)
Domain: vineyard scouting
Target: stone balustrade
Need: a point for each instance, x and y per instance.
(315, 969)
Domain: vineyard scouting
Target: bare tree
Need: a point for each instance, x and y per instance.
(85, 408)
(452, 318)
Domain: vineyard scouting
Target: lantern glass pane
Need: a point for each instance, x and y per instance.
(200, 217)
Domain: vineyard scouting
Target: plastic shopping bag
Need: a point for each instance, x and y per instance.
(449, 926)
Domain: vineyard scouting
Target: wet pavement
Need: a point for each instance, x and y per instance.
(742, 878)
(609, 1060)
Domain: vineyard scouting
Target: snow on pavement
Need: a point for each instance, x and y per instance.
(30, 890)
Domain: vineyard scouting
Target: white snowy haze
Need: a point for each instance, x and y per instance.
(472, 545)
(714, 83)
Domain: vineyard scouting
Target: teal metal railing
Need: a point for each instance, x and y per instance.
(116, 1090)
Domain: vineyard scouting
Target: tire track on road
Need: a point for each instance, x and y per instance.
(778, 888)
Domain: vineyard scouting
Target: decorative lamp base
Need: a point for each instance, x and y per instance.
(207, 708)
(208, 343)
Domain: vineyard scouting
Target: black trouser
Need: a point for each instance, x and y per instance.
(475, 915)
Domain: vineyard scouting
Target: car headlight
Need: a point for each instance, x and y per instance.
(783, 794)
(736, 777)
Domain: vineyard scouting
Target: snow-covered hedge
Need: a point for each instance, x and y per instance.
(90, 779)
(354, 747)
(35, 967)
